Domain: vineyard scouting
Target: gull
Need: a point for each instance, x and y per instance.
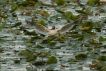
(53, 31)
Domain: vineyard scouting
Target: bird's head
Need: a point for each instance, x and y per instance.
(53, 28)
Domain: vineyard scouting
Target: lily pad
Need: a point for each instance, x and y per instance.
(89, 26)
(92, 41)
(41, 22)
(70, 16)
(17, 24)
(25, 53)
(2, 40)
(27, 3)
(13, 8)
(26, 32)
(39, 63)
(92, 2)
(72, 60)
(29, 45)
(1, 50)
(2, 25)
(101, 38)
(47, 40)
(103, 68)
(52, 59)
(39, 46)
(3, 16)
(52, 43)
(89, 48)
(81, 56)
(16, 61)
(31, 58)
(87, 11)
(102, 58)
(43, 13)
(60, 2)
(44, 54)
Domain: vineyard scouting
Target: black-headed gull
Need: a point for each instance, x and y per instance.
(51, 32)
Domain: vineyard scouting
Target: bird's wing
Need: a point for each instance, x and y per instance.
(69, 26)
(40, 28)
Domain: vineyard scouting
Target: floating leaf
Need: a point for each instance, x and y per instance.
(59, 10)
(28, 12)
(44, 54)
(27, 3)
(98, 29)
(60, 2)
(104, 46)
(39, 46)
(47, 40)
(33, 0)
(25, 53)
(1, 50)
(69, 16)
(52, 59)
(2, 40)
(86, 44)
(92, 2)
(72, 60)
(13, 8)
(30, 58)
(80, 11)
(88, 26)
(74, 45)
(87, 36)
(92, 41)
(16, 61)
(11, 0)
(26, 32)
(3, 16)
(43, 13)
(84, 28)
(39, 63)
(81, 56)
(51, 43)
(89, 48)
(75, 1)
(2, 25)
(29, 45)
(61, 38)
(0, 19)
(87, 11)
(17, 24)
(41, 22)
(80, 37)
(76, 35)
(103, 68)
(101, 38)
(48, 4)
(102, 58)
(33, 38)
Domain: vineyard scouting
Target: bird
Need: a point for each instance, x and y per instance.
(53, 31)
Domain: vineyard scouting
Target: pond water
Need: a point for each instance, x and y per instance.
(17, 46)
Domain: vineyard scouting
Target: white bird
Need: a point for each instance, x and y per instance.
(53, 31)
